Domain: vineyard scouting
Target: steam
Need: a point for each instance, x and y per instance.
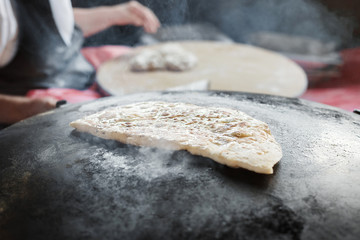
(239, 19)
(293, 17)
(170, 12)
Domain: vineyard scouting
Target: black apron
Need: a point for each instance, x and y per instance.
(43, 60)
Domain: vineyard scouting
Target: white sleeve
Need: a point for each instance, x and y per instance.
(8, 32)
(64, 18)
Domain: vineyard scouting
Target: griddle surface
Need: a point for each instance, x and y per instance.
(56, 183)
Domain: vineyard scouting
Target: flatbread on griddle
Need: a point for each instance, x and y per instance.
(227, 136)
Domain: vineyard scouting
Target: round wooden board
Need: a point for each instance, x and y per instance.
(228, 67)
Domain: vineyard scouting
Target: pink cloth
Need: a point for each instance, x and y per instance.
(70, 95)
(347, 98)
(98, 55)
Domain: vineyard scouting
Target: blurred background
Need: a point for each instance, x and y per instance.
(330, 21)
(322, 36)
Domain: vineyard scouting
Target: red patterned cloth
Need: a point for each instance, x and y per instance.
(343, 91)
(70, 95)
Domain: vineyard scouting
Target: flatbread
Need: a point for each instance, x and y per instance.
(227, 136)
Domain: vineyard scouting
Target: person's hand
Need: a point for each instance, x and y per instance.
(38, 105)
(16, 108)
(94, 20)
(134, 13)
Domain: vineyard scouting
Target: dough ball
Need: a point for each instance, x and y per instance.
(180, 61)
(147, 60)
(171, 57)
(176, 58)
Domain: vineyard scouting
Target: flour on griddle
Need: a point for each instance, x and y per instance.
(227, 136)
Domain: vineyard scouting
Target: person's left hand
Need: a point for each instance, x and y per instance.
(27, 107)
(134, 13)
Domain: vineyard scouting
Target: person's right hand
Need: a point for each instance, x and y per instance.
(134, 13)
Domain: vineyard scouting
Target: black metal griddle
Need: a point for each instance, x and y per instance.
(59, 184)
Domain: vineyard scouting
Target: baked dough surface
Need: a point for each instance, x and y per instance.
(225, 135)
